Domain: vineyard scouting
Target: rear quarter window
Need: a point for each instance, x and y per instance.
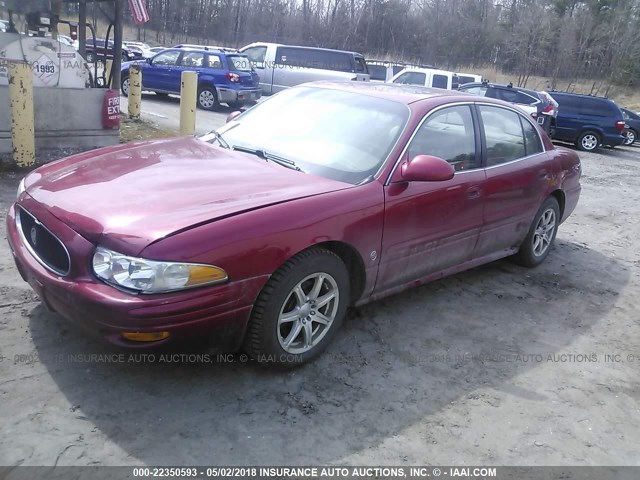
(595, 107)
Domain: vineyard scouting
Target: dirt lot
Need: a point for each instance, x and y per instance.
(500, 365)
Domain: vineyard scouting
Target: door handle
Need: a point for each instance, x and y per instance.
(473, 192)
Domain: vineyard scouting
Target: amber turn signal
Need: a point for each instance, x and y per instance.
(145, 336)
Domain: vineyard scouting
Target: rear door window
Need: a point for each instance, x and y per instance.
(503, 135)
(214, 61)
(378, 72)
(440, 81)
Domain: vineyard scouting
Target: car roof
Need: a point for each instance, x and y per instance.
(428, 70)
(406, 94)
(584, 95)
(262, 44)
(501, 85)
(207, 50)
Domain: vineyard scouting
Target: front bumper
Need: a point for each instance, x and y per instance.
(218, 314)
(226, 95)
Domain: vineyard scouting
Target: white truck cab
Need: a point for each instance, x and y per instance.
(426, 77)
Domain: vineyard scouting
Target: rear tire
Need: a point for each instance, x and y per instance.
(588, 141)
(208, 98)
(542, 233)
(299, 310)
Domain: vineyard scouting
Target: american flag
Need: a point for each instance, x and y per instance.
(139, 11)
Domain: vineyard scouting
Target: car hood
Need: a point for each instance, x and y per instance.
(127, 197)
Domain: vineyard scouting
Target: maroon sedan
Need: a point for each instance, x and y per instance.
(261, 234)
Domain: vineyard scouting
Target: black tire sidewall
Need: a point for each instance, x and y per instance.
(525, 255)
(318, 261)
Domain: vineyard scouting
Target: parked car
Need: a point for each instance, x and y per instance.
(157, 49)
(632, 120)
(382, 70)
(588, 121)
(99, 49)
(262, 233)
(426, 77)
(537, 104)
(464, 78)
(284, 66)
(4, 26)
(139, 50)
(222, 77)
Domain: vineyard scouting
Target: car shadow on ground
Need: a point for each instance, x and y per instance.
(394, 363)
(175, 100)
(619, 151)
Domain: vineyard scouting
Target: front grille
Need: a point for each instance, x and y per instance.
(42, 244)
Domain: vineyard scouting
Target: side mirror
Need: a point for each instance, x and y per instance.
(233, 115)
(426, 168)
(149, 60)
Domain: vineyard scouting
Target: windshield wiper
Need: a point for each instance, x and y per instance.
(220, 140)
(268, 156)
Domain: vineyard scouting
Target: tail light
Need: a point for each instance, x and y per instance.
(548, 109)
(233, 77)
(620, 125)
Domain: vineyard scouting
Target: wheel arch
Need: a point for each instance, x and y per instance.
(560, 197)
(354, 263)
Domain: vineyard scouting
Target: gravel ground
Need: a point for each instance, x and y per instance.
(499, 365)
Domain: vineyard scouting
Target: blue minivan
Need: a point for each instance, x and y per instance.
(588, 121)
(223, 77)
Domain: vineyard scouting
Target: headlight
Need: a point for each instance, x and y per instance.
(151, 276)
(20, 187)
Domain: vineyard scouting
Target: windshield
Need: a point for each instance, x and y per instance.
(344, 136)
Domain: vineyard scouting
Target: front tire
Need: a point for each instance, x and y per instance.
(542, 233)
(208, 98)
(588, 141)
(299, 310)
(631, 137)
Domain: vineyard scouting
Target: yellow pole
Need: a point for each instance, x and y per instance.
(22, 117)
(135, 91)
(188, 91)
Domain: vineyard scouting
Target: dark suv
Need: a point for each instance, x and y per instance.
(588, 121)
(532, 102)
(99, 49)
(223, 77)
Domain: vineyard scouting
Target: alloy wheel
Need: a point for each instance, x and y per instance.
(589, 142)
(544, 231)
(307, 313)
